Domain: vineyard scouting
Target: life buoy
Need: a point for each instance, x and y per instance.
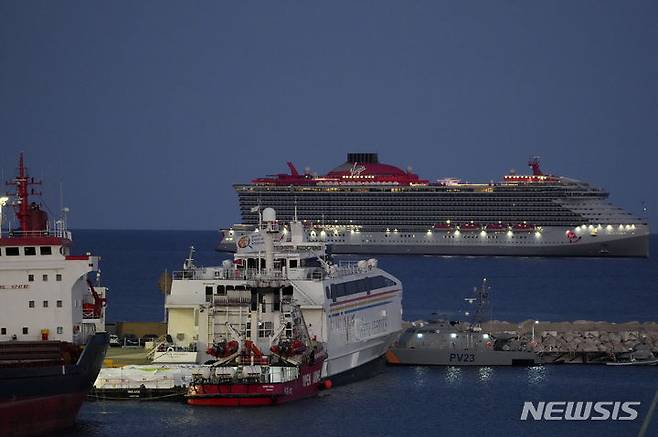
(170, 349)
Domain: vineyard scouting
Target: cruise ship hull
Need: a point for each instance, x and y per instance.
(551, 242)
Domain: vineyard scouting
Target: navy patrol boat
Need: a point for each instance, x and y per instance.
(461, 343)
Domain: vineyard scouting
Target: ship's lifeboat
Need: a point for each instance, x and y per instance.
(88, 310)
(470, 227)
(496, 227)
(523, 227)
(288, 348)
(223, 349)
(443, 226)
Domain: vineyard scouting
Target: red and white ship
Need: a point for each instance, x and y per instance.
(243, 375)
(364, 206)
(51, 349)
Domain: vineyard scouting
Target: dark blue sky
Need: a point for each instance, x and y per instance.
(149, 110)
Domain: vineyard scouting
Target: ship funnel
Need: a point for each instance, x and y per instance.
(363, 158)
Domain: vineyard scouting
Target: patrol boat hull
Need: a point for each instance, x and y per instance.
(439, 357)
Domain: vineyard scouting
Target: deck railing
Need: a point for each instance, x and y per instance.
(343, 268)
(58, 233)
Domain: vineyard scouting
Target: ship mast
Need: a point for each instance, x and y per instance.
(22, 183)
(482, 306)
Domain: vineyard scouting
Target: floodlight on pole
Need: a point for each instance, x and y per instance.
(3, 202)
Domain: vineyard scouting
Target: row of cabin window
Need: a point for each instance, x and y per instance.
(358, 286)
(3, 331)
(30, 304)
(44, 277)
(29, 251)
(265, 329)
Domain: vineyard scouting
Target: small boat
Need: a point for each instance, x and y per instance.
(641, 355)
(257, 385)
(245, 376)
(460, 343)
(633, 363)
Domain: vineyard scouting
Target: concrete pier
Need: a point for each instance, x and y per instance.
(580, 341)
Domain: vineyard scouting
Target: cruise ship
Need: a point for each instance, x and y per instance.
(364, 206)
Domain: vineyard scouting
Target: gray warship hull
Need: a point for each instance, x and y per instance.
(444, 343)
(454, 357)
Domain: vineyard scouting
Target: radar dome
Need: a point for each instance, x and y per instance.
(269, 215)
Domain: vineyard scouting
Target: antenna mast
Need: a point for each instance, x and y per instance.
(481, 301)
(22, 183)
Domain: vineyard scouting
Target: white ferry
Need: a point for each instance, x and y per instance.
(354, 308)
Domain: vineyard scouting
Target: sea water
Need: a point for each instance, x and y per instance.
(413, 400)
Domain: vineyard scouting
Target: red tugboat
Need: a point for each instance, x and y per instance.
(245, 376)
(50, 352)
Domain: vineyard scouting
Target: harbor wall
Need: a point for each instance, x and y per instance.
(139, 329)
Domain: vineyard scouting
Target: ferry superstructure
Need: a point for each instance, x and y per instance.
(353, 308)
(51, 315)
(364, 206)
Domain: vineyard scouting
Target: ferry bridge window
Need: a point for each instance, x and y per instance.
(353, 287)
(30, 251)
(276, 302)
(60, 330)
(11, 251)
(293, 263)
(46, 250)
(359, 286)
(310, 262)
(30, 278)
(265, 329)
(45, 277)
(254, 301)
(30, 304)
(58, 277)
(3, 331)
(221, 291)
(45, 304)
(25, 330)
(59, 304)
